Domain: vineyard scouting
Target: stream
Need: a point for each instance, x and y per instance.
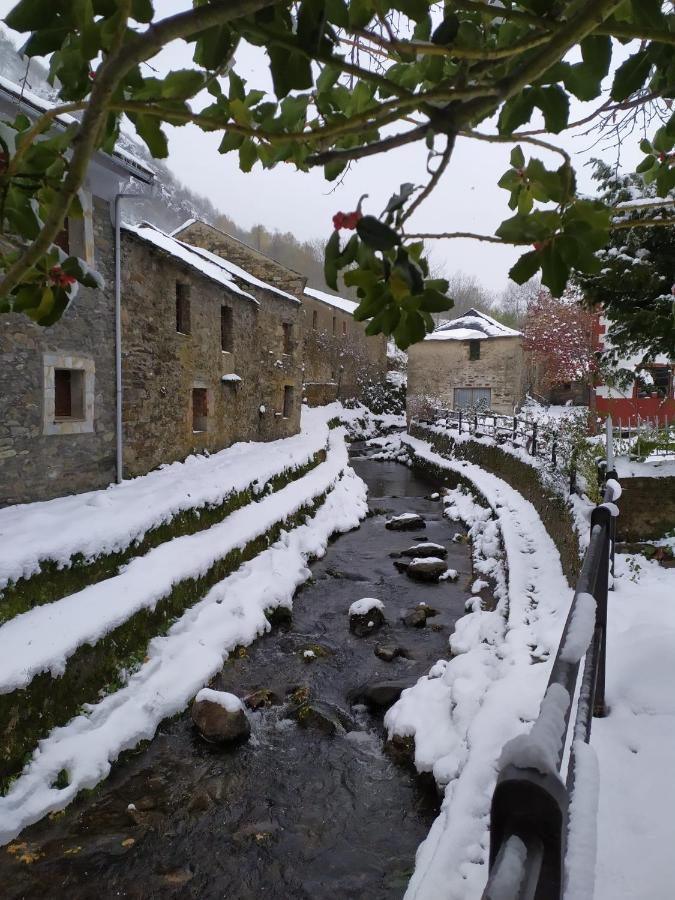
(313, 810)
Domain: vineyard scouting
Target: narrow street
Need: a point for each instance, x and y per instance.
(306, 809)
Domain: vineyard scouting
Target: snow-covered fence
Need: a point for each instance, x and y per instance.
(541, 440)
(538, 821)
(640, 437)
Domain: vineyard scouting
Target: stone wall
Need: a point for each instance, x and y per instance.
(551, 507)
(40, 459)
(161, 366)
(339, 359)
(209, 238)
(436, 368)
(647, 508)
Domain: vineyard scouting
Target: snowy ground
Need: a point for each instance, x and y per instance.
(463, 712)
(635, 744)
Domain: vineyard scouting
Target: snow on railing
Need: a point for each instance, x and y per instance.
(539, 816)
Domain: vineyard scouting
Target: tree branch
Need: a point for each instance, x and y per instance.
(435, 178)
(108, 76)
(452, 235)
(390, 143)
(515, 138)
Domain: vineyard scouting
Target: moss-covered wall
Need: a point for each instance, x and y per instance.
(52, 582)
(551, 507)
(647, 509)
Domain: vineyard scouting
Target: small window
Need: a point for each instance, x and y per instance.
(344, 328)
(182, 307)
(199, 409)
(288, 401)
(315, 320)
(661, 377)
(334, 324)
(474, 349)
(68, 394)
(288, 337)
(226, 333)
(567, 386)
(62, 239)
(473, 398)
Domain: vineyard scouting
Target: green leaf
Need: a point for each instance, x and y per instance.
(434, 301)
(181, 84)
(663, 142)
(526, 267)
(33, 15)
(554, 270)
(555, 106)
(331, 255)
(142, 10)
(376, 234)
(446, 32)
(516, 111)
(517, 157)
(647, 163)
(631, 75)
(646, 146)
(231, 141)
(150, 131)
(333, 170)
(397, 201)
(290, 70)
(248, 155)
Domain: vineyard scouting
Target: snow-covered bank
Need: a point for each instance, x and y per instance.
(43, 638)
(361, 422)
(463, 712)
(180, 663)
(635, 744)
(106, 521)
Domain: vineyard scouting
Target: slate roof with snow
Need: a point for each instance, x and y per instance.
(472, 326)
(215, 270)
(342, 303)
(32, 102)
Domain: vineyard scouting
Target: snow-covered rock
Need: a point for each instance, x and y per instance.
(429, 568)
(220, 717)
(426, 549)
(365, 616)
(405, 522)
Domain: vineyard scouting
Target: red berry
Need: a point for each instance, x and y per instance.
(338, 220)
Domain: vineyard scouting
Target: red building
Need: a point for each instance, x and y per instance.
(650, 396)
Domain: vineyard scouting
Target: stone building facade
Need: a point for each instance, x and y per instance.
(340, 360)
(473, 361)
(209, 357)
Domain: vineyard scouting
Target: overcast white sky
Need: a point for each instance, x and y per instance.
(467, 199)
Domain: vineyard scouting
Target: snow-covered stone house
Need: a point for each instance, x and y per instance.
(57, 384)
(210, 352)
(469, 362)
(340, 360)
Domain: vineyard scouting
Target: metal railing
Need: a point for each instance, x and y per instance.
(640, 436)
(530, 805)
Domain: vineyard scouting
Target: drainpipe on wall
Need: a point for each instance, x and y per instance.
(119, 459)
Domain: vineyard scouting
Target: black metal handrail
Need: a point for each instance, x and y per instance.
(530, 805)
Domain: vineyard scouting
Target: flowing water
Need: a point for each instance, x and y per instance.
(321, 811)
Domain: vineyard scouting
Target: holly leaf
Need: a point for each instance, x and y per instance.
(376, 234)
(331, 255)
(631, 75)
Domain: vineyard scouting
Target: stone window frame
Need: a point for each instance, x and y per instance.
(474, 350)
(84, 425)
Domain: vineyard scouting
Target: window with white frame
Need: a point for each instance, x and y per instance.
(473, 398)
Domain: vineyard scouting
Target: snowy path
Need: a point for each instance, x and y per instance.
(635, 744)
(184, 660)
(466, 709)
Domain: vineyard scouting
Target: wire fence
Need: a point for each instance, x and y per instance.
(548, 441)
(642, 437)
